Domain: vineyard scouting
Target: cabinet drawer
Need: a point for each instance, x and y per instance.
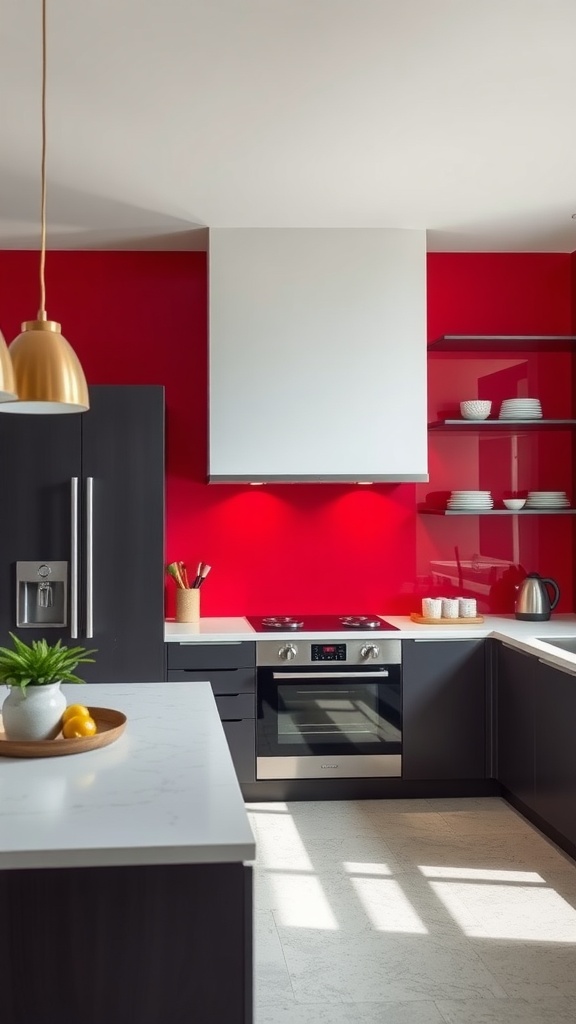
(205, 656)
(240, 706)
(241, 738)
(241, 680)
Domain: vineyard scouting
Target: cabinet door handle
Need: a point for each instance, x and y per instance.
(89, 556)
(447, 639)
(207, 640)
(74, 557)
(342, 676)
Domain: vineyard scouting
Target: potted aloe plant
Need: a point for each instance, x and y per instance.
(33, 708)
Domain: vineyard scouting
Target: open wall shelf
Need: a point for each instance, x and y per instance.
(506, 426)
(423, 510)
(505, 343)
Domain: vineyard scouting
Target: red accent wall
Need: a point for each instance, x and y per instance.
(142, 318)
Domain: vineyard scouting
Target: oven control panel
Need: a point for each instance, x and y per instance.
(321, 649)
(328, 652)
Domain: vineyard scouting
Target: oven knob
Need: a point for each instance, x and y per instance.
(369, 651)
(288, 653)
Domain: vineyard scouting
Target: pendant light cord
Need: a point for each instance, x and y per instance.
(42, 310)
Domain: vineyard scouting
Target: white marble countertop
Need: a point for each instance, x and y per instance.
(221, 630)
(164, 793)
(209, 630)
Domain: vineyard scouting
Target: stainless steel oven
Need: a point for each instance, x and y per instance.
(328, 709)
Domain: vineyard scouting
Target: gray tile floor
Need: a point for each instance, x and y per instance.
(411, 912)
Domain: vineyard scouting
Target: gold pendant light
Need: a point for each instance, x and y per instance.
(49, 376)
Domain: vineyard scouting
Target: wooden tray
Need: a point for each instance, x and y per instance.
(445, 622)
(110, 724)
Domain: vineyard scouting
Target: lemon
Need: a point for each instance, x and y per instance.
(78, 726)
(74, 711)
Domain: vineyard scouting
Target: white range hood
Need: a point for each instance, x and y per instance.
(317, 358)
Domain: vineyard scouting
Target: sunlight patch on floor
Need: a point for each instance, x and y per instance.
(520, 912)
(358, 868)
(387, 907)
(301, 902)
(277, 808)
(283, 847)
(482, 874)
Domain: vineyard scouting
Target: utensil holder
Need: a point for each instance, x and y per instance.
(188, 605)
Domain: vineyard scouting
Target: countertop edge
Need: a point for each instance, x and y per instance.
(524, 636)
(111, 857)
(237, 630)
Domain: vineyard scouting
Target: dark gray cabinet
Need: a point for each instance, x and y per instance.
(516, 695)
(555, 749)
(241, 736)
(536, 748)
(444, 709)
(231, 670)
(123, 451)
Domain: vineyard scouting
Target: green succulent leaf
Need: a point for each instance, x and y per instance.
(41, 663)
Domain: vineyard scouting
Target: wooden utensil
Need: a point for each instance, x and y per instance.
(173, 570)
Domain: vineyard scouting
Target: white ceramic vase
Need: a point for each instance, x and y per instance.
(33, 713)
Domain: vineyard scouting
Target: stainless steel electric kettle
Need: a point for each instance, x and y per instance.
(533, 601)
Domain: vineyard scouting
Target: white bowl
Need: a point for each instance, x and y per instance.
(514, 503)
(475, 409)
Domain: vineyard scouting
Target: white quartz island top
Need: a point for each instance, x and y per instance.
(164, 793)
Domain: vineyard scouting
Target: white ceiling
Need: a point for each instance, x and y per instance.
(168, 116)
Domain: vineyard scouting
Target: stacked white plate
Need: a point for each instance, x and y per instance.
(521, 409)
(467, 501)
(547, 499)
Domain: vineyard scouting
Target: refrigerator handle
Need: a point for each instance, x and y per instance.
(89, 556)
(74, 557)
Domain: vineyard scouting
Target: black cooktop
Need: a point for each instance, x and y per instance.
(318, 623)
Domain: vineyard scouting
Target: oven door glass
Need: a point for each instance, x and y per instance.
(336, 711)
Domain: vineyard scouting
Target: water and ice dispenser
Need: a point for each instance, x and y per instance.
(41, 594)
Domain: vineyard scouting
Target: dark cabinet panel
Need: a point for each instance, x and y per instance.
(211, 656)
(232, 681)
(161, 944)
(241, 738)
(231, 670)
(39, 455)
(232, 708)
(555, 749)
(444, 709)
(123, 452)
(516, 683)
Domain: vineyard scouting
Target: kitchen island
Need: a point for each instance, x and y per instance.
(124, 884)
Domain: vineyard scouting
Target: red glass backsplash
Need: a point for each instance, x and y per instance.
(142, 318)
(498, 293)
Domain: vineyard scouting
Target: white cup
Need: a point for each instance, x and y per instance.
(432, 607)
(467, 607)
(450, 607)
